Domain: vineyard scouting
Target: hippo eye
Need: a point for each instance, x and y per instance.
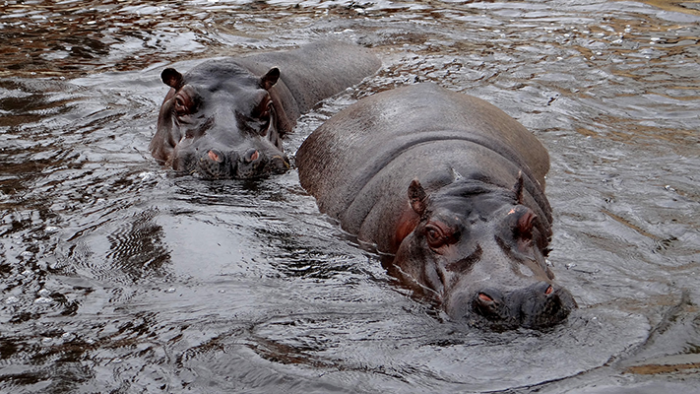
(523, 231)
(263, 109)
(526, 222)
(435, 237)
(180, 107)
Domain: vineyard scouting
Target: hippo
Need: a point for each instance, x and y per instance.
(225, 118)
(450, 190)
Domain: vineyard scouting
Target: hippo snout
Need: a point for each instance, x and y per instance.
(543, 304)
(215, 163)
(252, 163)
(539, 305)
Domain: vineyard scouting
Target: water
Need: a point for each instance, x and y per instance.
(119, 276)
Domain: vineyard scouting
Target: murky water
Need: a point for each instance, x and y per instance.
(118, 276)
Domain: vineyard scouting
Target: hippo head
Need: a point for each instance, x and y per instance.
(479, 253)
(220, 122)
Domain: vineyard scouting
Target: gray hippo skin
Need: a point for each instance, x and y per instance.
(225, 118)
(452, 188)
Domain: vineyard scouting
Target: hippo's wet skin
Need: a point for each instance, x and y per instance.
(224, 118)
(453, 189)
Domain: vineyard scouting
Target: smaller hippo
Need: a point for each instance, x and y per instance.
(452, 188)
(225, 118)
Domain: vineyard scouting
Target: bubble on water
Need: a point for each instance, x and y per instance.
(146, 175)
(68, 336)
(43, 301)
(170, 290)
(11, 300)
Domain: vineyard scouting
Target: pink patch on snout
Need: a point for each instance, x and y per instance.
(549, 290)
(254, 156)
(512, 211)
(483, 297)
(214, 156)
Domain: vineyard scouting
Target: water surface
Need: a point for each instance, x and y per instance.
(120, 276)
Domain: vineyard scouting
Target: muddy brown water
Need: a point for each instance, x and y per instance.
(118, 276)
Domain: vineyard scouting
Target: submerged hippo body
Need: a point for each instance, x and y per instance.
(453, 189)
(224, 118)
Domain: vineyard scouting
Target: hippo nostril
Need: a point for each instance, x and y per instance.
(251, 156)
(488, 304)
(542, 305)
(215, 156)
(485, 298)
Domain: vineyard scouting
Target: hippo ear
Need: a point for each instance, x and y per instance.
(172, 78)
(417, 197)
(270, 79)
(518, 188)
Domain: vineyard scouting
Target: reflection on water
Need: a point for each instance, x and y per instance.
(118, 276)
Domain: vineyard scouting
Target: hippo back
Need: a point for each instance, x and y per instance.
(314, 72)
(359, 164)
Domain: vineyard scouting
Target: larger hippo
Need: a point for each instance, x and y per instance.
(452, 189)
(225, 118)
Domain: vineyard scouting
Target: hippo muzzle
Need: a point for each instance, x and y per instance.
(538, 305)
(211, 160)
